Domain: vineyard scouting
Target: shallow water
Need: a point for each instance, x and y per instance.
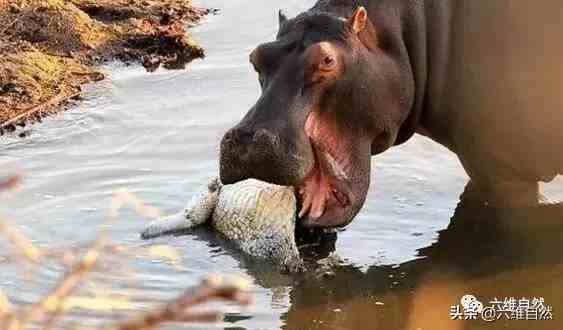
(157, 136)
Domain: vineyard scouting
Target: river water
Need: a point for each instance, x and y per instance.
(157, 136)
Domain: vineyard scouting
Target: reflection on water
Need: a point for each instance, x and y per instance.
(489, 253)
(157, 135)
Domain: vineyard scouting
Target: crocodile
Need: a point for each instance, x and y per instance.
(258, 217)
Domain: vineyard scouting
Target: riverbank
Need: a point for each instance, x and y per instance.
(50, 48)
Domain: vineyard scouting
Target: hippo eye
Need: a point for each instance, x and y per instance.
(327, 63)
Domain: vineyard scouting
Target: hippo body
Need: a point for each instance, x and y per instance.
(256, 217)
(495, 98)
(349, 79)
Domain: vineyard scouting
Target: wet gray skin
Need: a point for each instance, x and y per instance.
(258, 217)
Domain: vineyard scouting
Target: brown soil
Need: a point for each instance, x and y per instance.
(48, 48)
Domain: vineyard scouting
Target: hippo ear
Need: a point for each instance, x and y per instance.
(358, 21)
(362, 26)
(282, 17)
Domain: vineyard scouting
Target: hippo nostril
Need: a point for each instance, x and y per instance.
(244, 137)
(238, 136)
(228, 138)
(260, 135)
(264, 136)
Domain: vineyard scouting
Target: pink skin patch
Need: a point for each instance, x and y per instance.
(325, 188)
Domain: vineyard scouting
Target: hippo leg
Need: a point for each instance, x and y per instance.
(505, 194)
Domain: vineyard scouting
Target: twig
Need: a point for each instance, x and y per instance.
(123, 197)
(179, 309)
(11, 183)
(59, 98)
(65, 253)
(29, 251)
(53, 303)
(50, 309)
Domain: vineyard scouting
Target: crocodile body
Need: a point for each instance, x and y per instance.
(258, 217)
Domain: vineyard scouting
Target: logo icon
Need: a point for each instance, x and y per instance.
(471, 305)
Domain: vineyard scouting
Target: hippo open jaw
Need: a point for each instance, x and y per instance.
(325, 194)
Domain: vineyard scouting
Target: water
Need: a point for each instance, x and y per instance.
(157, 136)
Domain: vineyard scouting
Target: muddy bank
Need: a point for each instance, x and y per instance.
(49, 48)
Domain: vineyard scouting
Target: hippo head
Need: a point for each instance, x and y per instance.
(332, 96)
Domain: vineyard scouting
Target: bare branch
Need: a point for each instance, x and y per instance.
(11, 183)
(22, 243)
(214, 288)
(52, 304)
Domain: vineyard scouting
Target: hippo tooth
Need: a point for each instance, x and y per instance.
(306, 203)
(336, 168)
(319, 203)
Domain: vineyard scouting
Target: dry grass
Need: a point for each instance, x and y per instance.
(48, 47)
(50, 310)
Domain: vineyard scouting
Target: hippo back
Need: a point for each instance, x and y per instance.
(503, 104)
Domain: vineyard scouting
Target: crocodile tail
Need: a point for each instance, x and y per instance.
(165, 226)
(197, 212)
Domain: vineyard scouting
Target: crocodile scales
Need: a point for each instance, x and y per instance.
(258, 217)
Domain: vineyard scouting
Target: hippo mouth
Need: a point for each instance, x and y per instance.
(326, 195)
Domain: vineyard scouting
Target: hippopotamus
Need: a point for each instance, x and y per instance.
(349, 79)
